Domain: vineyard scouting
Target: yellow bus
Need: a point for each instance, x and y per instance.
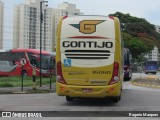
(89, 58)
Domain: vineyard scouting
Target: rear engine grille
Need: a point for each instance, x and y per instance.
(87, 54)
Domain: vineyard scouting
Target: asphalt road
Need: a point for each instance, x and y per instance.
(134, 98)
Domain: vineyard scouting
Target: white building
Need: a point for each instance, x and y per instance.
(65, 9)
(26, 26)
(1, 24)
(152, 55)
(157, 28)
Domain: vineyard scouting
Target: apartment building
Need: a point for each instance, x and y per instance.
(26, 26)
(64, 9)
(152, 55)
(1, 23)
(157, 28)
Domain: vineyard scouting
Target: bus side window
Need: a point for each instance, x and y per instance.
(54, 62)
(47, 65)
(33, 62)
(14, 63)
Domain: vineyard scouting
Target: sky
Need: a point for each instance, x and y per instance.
(147, 9)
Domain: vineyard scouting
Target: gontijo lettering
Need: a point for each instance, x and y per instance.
(87, 44)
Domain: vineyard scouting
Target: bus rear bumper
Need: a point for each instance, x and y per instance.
(89, 91)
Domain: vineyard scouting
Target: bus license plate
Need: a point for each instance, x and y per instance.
(87, 90)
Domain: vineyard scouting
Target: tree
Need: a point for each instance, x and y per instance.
(134, 25)
(135, 45)
(138, 34)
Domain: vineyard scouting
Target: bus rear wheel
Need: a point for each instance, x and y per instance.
(69, 99)
(116, 99)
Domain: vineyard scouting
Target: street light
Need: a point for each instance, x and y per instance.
(41, 21)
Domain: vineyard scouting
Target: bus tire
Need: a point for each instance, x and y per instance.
(69, 99)
(116, 99)
(127, 79)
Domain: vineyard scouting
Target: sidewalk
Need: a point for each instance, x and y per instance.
(18, 90)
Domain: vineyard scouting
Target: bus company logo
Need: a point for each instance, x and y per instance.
(21, 114)
(87, 26)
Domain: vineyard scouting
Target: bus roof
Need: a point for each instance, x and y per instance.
(2, 50)
(29, 50)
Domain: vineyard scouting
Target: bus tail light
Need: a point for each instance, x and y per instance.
(59, 73)
(111, 17)
(65, 17)
(115, 77)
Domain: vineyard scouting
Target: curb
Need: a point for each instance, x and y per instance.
(19, 92)
(152, 77)
(144, 85)
(27, 90)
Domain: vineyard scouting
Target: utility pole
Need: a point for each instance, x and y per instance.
(41, 22)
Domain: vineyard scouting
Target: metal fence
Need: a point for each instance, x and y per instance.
(26, 85)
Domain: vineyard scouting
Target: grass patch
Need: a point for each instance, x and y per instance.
(6, 85)
(27, 81)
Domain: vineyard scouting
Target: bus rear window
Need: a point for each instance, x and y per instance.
(151, 63)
